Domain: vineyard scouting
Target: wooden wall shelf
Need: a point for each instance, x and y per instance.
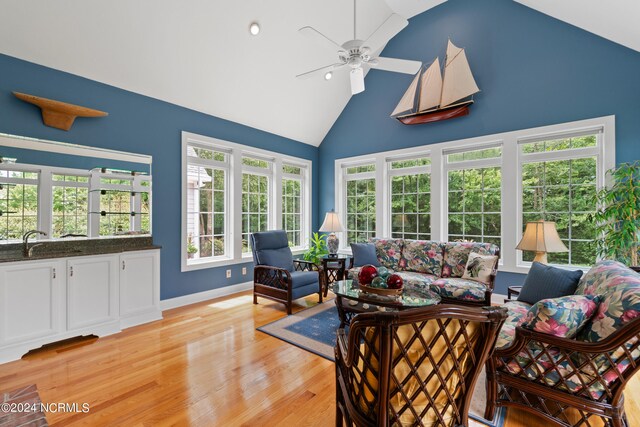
(57, 114)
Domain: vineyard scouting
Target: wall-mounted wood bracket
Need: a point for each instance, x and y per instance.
(58, 114)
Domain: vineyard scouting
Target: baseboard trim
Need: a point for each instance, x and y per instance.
(170, 303)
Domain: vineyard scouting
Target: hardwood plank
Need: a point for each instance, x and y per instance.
(202, 365)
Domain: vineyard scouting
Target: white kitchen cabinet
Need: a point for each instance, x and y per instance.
(139, 287)
(31, 297)
(45, 301)
(92, 291)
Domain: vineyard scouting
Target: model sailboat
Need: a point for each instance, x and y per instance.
(434, 95)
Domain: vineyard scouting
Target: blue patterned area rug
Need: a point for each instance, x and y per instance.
(314, 330)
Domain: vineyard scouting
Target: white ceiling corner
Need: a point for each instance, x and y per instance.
(614, 20)
(199, 53)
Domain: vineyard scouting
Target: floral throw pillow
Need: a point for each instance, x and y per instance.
(456, 255)
(479, 267)
(561, 317)
(423, 256)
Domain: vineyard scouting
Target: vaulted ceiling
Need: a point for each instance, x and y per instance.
(199, 53)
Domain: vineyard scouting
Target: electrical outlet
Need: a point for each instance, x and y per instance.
(244, 271)
(228, 274)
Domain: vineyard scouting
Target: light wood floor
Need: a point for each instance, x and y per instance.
(203, 365)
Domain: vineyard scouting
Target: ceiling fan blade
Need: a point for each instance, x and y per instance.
(357, 81)
(396, 65)
(319, 71)
(385, 32)
(319, 38)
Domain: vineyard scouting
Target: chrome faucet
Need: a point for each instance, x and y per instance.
(26, 250)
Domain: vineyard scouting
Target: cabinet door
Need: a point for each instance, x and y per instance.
(139, 282)
(30, 302)
(91, 291)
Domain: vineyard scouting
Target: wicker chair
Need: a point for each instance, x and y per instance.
(415, 367)
(276, 275)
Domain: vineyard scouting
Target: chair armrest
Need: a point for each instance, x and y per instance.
(611, 343)
(303, 265)
(272, 276)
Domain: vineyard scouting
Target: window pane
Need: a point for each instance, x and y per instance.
(401, 164)
(561, 191)
(291, 214)
(560, 144)
(256, 163)
(18, 207)
(361, 169)
(294, 170)
(410, 201)
(484, 153)
(475, 202)
(70, 206)
(361, 210)
(255, 218)
(206, 207)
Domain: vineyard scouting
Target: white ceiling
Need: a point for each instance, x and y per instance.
(614, 20)
(199, 53)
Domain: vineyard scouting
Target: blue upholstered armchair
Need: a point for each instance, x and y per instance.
(276, 275)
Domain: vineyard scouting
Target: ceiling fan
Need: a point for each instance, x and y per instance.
(358, 53)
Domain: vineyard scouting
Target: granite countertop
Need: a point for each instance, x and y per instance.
(64, 248)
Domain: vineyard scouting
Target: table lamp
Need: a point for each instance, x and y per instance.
(332, 225)
(541, 237)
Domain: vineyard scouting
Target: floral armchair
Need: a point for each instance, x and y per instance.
(571, 381)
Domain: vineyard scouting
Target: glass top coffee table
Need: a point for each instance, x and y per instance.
(358, 301)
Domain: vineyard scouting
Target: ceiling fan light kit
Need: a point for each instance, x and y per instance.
(356, 53)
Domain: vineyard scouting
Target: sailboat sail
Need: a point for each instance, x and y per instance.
(407, 102)
(431, 87)
(458, 79)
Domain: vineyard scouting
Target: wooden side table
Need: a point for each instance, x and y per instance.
(333, 269)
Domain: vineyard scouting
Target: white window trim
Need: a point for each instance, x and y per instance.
(511, 179)
(236, 152)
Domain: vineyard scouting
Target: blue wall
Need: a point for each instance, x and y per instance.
(142, 125)
(533, 71)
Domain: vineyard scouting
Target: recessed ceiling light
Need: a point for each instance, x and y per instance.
(328, 75)
(254, 28)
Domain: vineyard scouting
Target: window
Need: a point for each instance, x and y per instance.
(230, 191)
(206, 203)
(560, 189)
(70, 205)
(360, 203)
(292, 204)
(410, 198)
(483, 189)
(474, 181)
(18, 203)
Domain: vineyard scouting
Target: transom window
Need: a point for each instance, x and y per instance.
(232, 190)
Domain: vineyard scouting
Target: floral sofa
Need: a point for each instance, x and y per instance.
(573, 376)
(438, 266)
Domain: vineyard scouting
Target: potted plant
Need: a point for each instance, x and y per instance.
(617, 219)
(317, 249)
(191, 248)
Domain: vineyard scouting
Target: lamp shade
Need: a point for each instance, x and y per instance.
(331, 223)
(541, 236)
